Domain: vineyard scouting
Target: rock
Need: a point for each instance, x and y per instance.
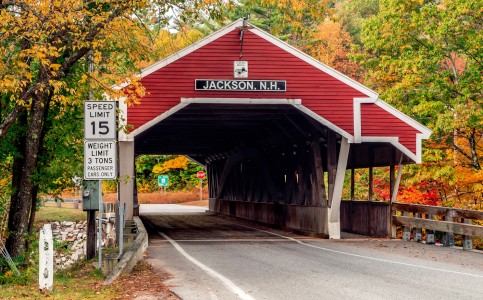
(79, 226)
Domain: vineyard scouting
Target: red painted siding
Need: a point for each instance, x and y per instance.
(319, 92)
(378, 122)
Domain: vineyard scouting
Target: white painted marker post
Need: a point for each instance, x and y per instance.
(46, 259)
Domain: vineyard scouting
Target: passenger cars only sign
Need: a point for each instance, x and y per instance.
(100, 160)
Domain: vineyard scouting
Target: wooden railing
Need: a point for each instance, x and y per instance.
(450, 221)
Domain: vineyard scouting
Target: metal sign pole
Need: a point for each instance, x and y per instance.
(201, 189)
(99, 237)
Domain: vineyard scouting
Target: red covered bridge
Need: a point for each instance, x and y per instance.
(269, 123)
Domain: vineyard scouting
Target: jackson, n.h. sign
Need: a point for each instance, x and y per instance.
(240, 85)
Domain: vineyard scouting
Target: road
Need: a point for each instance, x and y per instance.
(213, 257)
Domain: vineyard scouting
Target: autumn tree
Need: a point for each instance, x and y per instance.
(181, 171)
(425, 58)
(292, 21)
(44, 46)
(331, 44)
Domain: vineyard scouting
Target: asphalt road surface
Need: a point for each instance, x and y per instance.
(213, 257)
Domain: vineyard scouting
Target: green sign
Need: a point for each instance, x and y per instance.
(163, 180)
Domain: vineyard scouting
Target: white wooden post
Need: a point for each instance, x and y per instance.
(46, 259)
(334, 218)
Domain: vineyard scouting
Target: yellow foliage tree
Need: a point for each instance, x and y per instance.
(45, 50)
(177, 163)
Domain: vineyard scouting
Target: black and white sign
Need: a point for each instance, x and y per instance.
(240, 69)
(100, 120)
(240, 85)
(100, 160)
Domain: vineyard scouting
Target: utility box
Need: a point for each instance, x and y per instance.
(90, 195)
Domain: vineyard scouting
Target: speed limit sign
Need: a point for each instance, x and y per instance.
(100, 120)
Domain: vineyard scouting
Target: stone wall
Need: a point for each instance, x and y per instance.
(70, 241)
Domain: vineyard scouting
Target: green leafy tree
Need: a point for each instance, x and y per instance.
(426, 58)
(352, 14)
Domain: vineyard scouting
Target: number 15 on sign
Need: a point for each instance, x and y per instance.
(100, 120)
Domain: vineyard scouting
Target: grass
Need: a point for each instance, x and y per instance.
(82, 281)
(51, 214)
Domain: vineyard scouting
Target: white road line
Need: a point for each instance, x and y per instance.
(227, 282)
(232, 240)
(358, 255)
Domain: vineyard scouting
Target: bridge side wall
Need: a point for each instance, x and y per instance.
(307, 219)
(365, 217)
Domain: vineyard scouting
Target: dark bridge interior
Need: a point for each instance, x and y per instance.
(260, 153)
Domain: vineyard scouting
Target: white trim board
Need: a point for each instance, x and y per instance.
(241, 101)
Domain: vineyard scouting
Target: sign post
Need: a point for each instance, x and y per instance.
(200, 176)
(163, 182)
(100, 153)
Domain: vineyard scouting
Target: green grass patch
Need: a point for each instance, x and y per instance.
(51, 214)
(82, 281)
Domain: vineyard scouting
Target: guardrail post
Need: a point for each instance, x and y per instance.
(418, 235)
(407, 229)
(467, 239)
(429, 233)
(392, 226)
(448, 237)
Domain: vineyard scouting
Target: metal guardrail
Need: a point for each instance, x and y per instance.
(453, 221)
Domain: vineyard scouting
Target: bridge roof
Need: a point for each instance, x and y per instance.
(298, 95)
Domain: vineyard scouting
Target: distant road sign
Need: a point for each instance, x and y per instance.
(163, 180)
(100, 120)
(100, 160)
(200, 174)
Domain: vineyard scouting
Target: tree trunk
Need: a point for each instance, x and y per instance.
(35, 189)
(17, 173)
(20, 211)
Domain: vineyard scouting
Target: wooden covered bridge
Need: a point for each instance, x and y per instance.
(269, 123)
